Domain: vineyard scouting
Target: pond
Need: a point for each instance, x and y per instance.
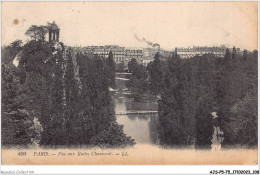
(141, 127)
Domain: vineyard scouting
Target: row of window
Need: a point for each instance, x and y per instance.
(120, 56)
(136, 51)
(116, 53)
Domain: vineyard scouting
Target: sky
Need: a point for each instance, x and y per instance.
(170, 24)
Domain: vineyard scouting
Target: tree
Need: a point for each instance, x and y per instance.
(132, 65)
(155, 70)
(98, 122)
(186, 102)
(17, 44)
(17, 121)
(234, 52)
(245, 55)
(120, 67)
(42, 31)
(37, 32)
(69, 95)
(32, 32)
(235, 89)
(173, 127)
(138, 82)
(227, 55)
(10, 52)
(111, 68)
(204, 123)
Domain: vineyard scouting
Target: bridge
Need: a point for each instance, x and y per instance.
(136, 112)
(123, 73)
(124, 79)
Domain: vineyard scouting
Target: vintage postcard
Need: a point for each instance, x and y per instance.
(129, 83)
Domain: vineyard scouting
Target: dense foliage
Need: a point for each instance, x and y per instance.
(196, 87)
(138, 83)
(156, 73)
(237, 98)
(189, 90)
(67, 93)
(60, 97)
(110, 69)
(17, 125)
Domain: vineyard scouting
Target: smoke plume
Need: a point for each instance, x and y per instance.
(147, 42)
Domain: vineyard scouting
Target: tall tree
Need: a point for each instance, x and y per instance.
(111, 68)
(155, 70)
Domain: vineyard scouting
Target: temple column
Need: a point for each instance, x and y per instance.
(53, 36)
(58, 35)
(49, 36)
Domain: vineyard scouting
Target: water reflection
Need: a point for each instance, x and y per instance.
(141, 127)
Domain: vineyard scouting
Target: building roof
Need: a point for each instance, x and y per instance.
(53, 26)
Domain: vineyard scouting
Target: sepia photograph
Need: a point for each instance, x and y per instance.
(129, 83)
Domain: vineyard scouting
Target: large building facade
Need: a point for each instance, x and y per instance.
(120, 54)
(136, 53)
(190, 52)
